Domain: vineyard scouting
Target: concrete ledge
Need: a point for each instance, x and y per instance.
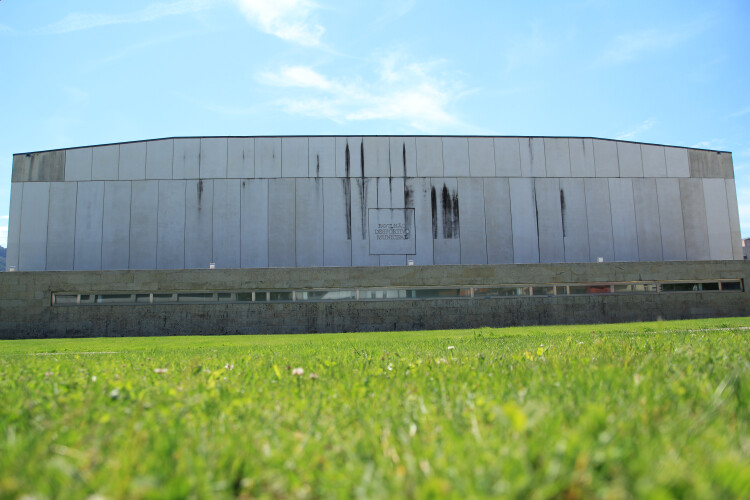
(26, 298)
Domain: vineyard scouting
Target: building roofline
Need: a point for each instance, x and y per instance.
(366, 135)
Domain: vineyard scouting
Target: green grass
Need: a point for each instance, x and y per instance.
(644, 410)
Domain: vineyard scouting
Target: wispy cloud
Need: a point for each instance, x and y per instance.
(710, 144)
(741, 112)
(290, 20)
(84, 21)
(630, 46)
(636, 131)
(4, 235)
(400, 90)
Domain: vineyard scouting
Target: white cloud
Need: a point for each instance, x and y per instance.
(741, 112)
(401, 90)
(630, 46)
(84, 21)
(636, 131)
(4, 236)
(289, 20)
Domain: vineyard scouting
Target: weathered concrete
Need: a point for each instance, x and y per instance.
(644, 205)
(46, 166)
(26, 311)
(710, 164)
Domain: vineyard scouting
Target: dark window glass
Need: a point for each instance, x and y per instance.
(733, 286)
(278, 296)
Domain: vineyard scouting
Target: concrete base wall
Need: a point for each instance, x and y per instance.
(26, 298)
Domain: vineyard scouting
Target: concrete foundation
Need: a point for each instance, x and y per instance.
(26, 309)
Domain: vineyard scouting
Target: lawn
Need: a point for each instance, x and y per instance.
(642, 410)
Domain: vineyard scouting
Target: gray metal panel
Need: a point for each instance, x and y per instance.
(507, 157)
(199, 205)
(281, 224)
(599, 218)
(46, 166)
(294, 157)
(132, 161)
(78, 164)
(574, 219)
(694, 218)
(34, 215)
(429, 156)
(337, 220)
(106, 163)
(456, 156)
(531, 150)
(377, 152)
(309, 222)
(322, 161)
(267, 157)
(403, 157)
(349, 157)
(549, 220)
(629, 157)
(390, 192)
(717, 218)
(710, 164)
(392, 260)
(364, 197)
(624, 231)
(116, 225)
(88, 228)
(582, 158)
(14, 224)
(670, 219)
(143, 224)
(446, 221)
(473, 236)
(498, 221)
(523, 212)
(605, 158)
(677, 162)
(241, 158)
(61, 229)
(254, 222)
(213, 164)
(654, 161)
(227, 225)
(647, 220)
(481, 157)
(557, 155)
(159, 159)
(170, 243)
(417, 196)
(734, 219)
(186, 162)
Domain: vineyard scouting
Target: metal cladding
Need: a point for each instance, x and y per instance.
(257, 202)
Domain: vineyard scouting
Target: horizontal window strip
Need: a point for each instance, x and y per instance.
(375, 294)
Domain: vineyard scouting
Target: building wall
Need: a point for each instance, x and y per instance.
(243, 202)
(26, 309)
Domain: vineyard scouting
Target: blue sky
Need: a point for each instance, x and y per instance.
(89, 72)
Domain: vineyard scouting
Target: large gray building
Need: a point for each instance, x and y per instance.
(185, 203)
(135, 223)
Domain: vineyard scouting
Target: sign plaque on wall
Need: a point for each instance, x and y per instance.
(391, 231)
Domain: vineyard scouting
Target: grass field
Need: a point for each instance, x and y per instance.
(646, 410)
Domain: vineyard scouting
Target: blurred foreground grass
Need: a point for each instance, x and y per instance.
(642, 410)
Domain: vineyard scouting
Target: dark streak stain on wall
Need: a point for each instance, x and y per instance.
(346, 183)
(449, 203)
(433, 203)
(200, 192)
(562, 210)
